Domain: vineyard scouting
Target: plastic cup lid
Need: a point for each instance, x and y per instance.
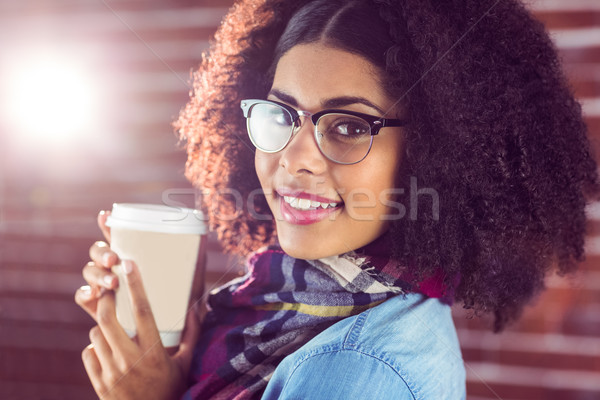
(157, 218)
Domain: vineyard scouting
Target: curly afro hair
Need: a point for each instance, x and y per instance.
(494, 129)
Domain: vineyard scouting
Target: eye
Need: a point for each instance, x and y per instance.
(280, 117)
(272, 115)
(340, 126)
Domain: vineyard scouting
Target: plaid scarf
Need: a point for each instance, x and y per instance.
(279, 305)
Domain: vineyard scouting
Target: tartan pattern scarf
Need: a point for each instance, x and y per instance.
(279, 305)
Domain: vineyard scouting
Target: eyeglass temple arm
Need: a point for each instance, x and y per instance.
(385, 122)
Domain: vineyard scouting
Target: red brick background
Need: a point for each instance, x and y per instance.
(141, 54)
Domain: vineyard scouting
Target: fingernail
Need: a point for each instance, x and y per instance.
(102, 212)
(108, 281)
(86, 291)
(100, 292)
(106, 258)
(127, 267)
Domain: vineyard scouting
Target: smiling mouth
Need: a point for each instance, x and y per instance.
(307, 204)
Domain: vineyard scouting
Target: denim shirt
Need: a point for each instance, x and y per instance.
(404, 348)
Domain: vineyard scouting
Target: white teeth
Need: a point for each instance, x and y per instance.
(306, 204)
(303, 204)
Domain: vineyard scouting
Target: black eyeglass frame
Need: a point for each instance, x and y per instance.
(375, 123)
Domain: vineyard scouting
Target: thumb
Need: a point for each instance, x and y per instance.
(102, 217)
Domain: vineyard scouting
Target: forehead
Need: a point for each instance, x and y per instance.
(313, 73)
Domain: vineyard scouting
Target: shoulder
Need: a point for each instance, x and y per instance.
(405, 348)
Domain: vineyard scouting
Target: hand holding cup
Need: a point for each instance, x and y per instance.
(118, 366)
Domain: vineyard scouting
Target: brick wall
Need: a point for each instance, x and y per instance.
(141, 54)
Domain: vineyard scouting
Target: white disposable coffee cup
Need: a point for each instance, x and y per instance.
(164, 242)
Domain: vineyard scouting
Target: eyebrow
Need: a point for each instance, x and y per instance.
(329, 103)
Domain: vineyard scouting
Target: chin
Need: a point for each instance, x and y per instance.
(300, 252)
(310, 249)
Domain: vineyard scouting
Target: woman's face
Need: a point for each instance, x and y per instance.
(313, 77)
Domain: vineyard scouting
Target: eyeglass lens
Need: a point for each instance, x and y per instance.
(270, 126)
(342, 138)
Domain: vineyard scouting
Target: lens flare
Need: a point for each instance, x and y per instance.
(48, 98)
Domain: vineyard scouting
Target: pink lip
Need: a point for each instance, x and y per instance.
(303, 195)
(301, 217)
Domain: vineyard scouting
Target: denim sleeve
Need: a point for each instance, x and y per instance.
(404, 348)
(343, 374)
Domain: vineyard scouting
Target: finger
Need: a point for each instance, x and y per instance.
(98, 276)
(102, 216)
(200, 309)
(190, 335)
(87, 298)
(102, 350)
(116, 337)
(93, 368)
(147, 331)
(101, 253)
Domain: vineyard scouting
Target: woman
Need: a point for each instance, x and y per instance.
(408, 154)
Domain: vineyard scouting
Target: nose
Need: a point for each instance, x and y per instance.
(302, 155)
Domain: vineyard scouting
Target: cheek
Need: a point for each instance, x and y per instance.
(265, 165)
(373, 184)
(373, 177)
(259, 165)
(389, 167)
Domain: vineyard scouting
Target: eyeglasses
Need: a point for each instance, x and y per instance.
(343, 136)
